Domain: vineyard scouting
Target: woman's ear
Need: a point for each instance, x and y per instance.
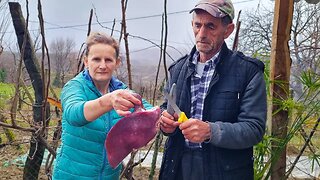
(85, 61)
(118, 62)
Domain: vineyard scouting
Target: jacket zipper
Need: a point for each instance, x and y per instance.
(104, 149)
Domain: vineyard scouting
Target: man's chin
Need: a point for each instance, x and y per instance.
(202, 46)
(203, 49)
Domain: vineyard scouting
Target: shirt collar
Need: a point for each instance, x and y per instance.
(212, 61)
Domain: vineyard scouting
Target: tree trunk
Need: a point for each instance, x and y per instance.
(279, 76)
(36, 152)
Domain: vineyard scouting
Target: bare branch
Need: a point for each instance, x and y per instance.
(17, 127)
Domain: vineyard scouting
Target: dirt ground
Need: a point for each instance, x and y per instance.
(10, 171)
(13, 170)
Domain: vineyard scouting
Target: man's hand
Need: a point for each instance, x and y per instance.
(195, 130)
(168, 123)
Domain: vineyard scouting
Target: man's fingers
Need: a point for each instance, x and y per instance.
(166, 114)
(195, 130)
(167, 123)
(187, 124)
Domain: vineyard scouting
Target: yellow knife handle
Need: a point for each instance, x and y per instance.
(182, 117)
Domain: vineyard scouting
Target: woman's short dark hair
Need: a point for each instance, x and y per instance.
(101, 38)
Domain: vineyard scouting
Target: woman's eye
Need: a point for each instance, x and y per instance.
(108, 60)
(96, 59)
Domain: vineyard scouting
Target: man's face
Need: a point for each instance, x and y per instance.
(209, 32)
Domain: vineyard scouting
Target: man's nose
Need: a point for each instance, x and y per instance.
(202, 31)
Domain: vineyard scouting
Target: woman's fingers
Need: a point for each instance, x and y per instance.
(123, 113)
(123, 101)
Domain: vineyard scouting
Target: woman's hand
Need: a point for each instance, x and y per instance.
(123, 100)
(120, 100)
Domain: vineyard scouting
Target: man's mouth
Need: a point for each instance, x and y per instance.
(202, 42)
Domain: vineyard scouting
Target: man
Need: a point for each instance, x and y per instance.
(224, 95)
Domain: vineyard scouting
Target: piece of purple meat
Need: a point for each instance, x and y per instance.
(131, 132)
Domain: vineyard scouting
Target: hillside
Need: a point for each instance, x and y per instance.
(144, 63)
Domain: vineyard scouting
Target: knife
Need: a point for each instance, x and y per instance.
(182, 116)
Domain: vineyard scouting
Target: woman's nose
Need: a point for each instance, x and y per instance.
(103, 64)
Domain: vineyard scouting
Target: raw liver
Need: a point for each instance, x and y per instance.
(131, 132)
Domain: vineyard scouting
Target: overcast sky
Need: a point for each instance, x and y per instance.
(69, 18)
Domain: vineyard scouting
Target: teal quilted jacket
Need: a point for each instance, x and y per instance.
(82, 154)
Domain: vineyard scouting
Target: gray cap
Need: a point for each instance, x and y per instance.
(217, 8)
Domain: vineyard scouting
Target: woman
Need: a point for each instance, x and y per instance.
(92, 103)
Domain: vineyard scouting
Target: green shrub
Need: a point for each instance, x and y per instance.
(3, 75)
(6, 92)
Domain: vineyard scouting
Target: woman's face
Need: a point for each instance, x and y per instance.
(101, 62)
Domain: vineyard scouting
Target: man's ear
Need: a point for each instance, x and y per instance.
(229, 30)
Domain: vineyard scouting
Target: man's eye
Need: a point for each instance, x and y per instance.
(210, 26)
(197, 25)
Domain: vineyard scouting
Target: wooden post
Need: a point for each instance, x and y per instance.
(279, 76)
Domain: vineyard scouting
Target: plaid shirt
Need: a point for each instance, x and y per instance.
(200, 85)
(199, 88)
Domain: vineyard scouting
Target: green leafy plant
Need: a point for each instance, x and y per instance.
(305, 113)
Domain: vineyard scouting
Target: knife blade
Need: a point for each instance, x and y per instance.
(182, 116)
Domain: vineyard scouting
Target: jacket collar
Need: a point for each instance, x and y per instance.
(113, 85)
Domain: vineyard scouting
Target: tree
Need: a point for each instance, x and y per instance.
(62, 55)
(255, 39)
(305, 44)
(256, 31)
(41, 111)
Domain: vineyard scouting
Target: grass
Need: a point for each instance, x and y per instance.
(296, 143)
(6, 92)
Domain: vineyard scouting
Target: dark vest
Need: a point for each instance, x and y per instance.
(222, 103)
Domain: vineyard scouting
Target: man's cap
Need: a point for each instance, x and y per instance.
(217, 8)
